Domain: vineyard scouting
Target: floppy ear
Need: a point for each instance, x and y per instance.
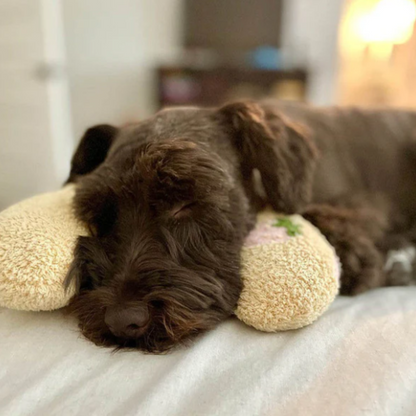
(278, 149)
(92, 150)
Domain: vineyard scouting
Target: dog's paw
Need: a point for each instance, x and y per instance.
(361, 260)
(400, 266)
(362, 265)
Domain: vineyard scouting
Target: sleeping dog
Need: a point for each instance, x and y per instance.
(169, 201)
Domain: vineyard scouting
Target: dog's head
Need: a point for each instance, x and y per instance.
(167, 202)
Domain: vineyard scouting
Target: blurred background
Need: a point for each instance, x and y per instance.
(66, 65)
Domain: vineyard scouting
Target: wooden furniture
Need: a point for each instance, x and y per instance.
(208, 87)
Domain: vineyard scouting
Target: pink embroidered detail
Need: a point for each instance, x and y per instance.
(265, 233)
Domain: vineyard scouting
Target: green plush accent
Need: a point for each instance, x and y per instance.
(292, 229)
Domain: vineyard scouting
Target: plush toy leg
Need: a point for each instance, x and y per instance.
(354, 234)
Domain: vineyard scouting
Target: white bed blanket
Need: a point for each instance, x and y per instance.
(358, 359)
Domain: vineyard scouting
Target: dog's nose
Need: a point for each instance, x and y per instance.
(129, 322)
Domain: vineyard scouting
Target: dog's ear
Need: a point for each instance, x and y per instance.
(92, 150)
(280, 150)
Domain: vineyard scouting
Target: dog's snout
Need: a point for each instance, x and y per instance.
(129, 322)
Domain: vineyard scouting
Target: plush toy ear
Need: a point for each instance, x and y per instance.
(278, 149)
(92, 150)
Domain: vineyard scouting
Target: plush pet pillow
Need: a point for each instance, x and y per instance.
(290, 272)
(37, 239)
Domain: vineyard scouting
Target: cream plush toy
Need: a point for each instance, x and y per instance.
(37, 239)
(290, 272)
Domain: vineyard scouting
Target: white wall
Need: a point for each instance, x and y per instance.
(34, 130)
(112, 48)
(310, 38)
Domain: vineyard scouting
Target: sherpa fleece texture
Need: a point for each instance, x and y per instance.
(37, 239)
(290, 274)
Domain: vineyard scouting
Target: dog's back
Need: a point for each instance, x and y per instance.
(363, 152)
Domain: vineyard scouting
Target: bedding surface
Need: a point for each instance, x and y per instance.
(358, 359)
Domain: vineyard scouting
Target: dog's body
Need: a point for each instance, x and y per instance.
(364, 187)
(362, 152)
(170, 200)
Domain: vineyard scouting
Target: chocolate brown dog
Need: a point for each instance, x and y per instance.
(170, 200)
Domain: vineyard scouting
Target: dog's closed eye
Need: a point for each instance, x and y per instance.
(183, 209)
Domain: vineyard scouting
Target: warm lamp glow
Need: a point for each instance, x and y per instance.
(388, 21)
(376, 26)
(377, 65)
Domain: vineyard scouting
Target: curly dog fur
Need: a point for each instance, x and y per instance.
(170, 200)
